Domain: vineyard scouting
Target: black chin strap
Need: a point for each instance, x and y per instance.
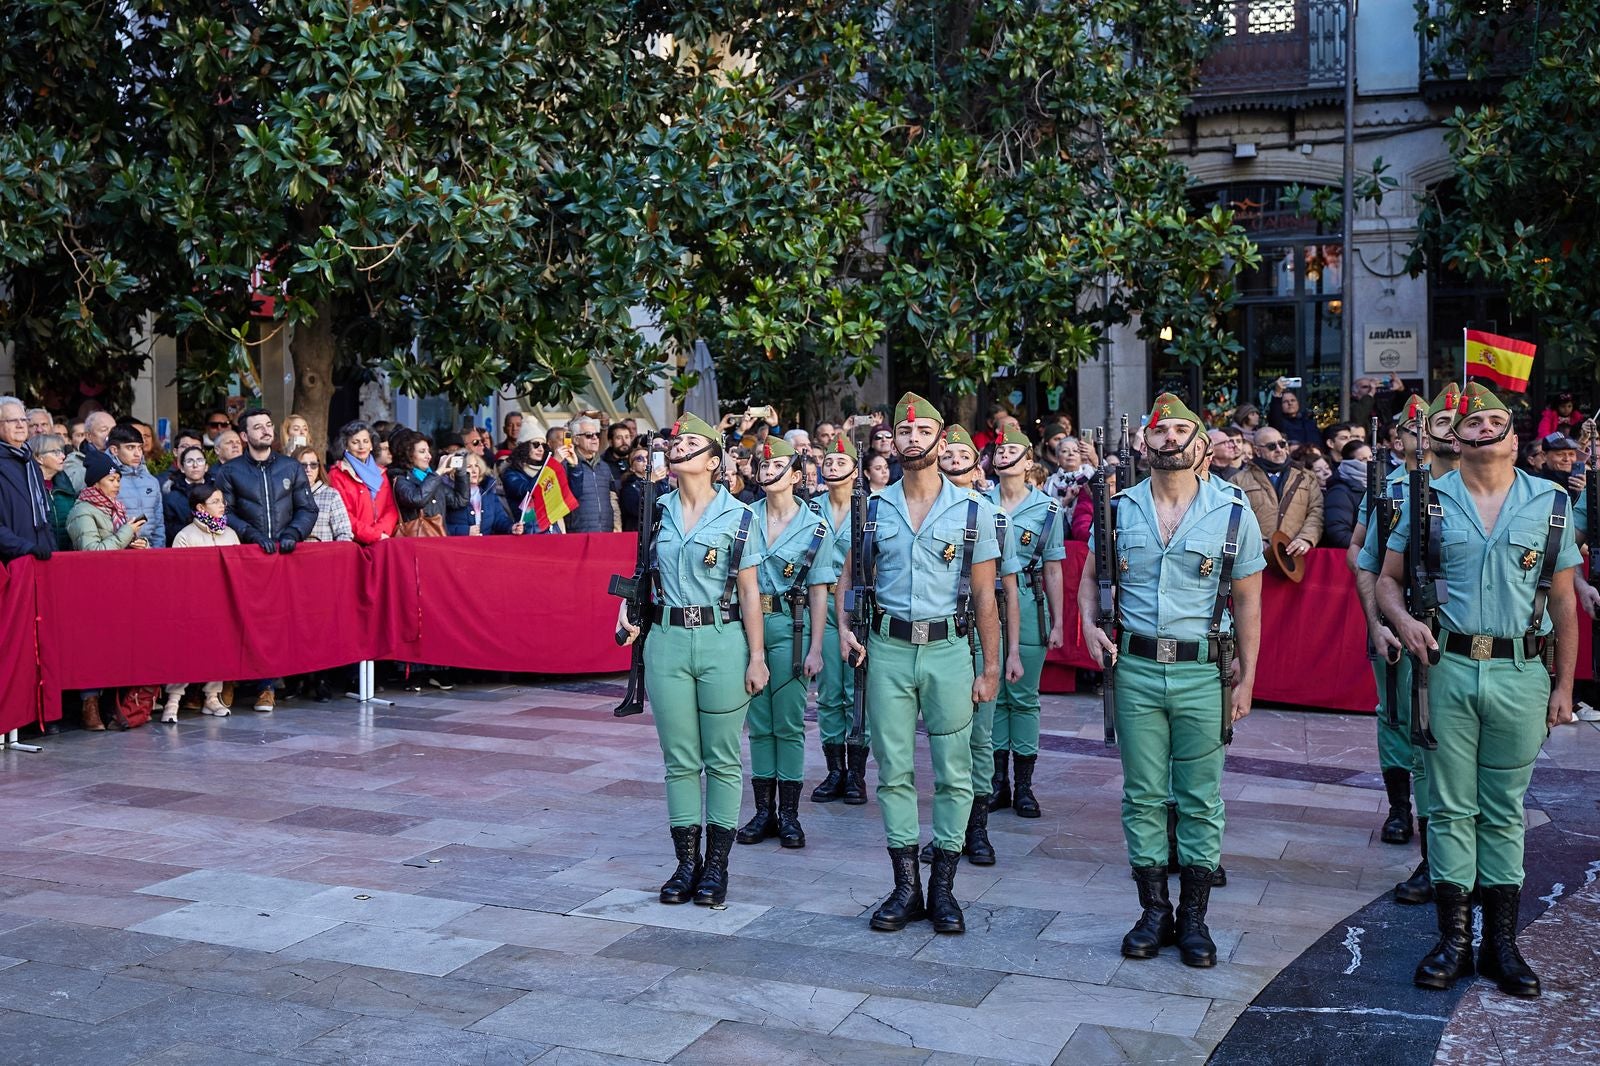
(1179, 450)
(851, 476)
(963, 472)
(697, 453)
(788, 468)
(1015, 462)
(1504, 433)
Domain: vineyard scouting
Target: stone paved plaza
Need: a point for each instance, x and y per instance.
(470, 878)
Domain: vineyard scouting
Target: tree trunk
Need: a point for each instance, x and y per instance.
(314, 351)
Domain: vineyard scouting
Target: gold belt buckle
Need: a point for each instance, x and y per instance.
(769, 604)
(1482, 647)
(691, 617)
(919, 632)
(1166, 650)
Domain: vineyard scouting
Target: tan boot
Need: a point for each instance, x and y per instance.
(169, 713)
(214, 707)
(91, 715)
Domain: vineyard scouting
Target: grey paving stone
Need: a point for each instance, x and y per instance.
(836, 931)
(236, 889)
(572, 934)
(376, 907)
(242, 1023)
(111, 908)
(392, 949)
(73, 993)
(235, 970)
(406, 997)
(378, 1042)
(84, 945)
(848, 970)
(187, 1054)
(569, 1056)
(646, 908)
(597, 1025)
(6, 962)
(740, 1044)
(751, 999)
(1027, 955)
(238, 927)
(541, 970)
(534, 895)
(1097, 1045)
(35, 1040)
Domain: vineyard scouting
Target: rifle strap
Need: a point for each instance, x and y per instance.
(1036, 565)
(969, 544)
(730, 587)
(818, 535)
(1002, 523)
(1547, 569)
(869, 561)
(1230, 552)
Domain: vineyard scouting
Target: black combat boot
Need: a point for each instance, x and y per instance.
(1397, 827)
(905, 902)
(943, 910)
(855, 785)
(977, 848)
(832, 786)
(713, 888)
(1000, 798)
(1451, 958)
(764, 823)
(1418, 888)
(1498, 957)
(790, 835)
(1195, 945)
(681, 885)
(1154, 929)
(1022, 799)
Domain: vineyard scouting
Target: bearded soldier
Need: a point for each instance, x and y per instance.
(1182, 546)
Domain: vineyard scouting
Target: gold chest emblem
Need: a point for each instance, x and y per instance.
(1122, 564)
(788, 569)
(949, 552)
(1206, 566)
(1529, 559)
(1027, 537)
(711, 557)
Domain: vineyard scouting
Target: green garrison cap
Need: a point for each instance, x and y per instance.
(697, 425)
(776, 448)
(958, 435)
(1411, 411)
(912, 407)
(1168, 405)
(843, 445)
(1012, 436)
(1474, 399)
(1449, 399)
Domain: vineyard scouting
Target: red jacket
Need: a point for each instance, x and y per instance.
(370, 518)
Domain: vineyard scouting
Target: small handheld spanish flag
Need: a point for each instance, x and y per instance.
(1506, 362)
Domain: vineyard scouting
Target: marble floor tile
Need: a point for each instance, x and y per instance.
(645, 908)
(407, 950)
(597, 1025)
(73, 993)
(237, 927)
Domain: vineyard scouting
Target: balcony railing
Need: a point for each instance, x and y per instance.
(1505, 48)
(1275, 53)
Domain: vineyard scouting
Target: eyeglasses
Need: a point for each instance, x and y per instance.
(54, 451)
(15, 421)
(216, 425)
(311, 464)
(1275, 446)
(596, 436)
(195, 460)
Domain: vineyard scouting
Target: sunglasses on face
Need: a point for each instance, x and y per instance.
(311, 464)
(216, 425)
(1275, 446)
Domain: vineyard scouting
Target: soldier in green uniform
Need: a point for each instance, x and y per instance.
(836, 693)
(1404, 772)
(1509, 555)
(704, 659)
(1036, 545)
(1183, 545)
(930, 556)
(794, 534)
(959, 464)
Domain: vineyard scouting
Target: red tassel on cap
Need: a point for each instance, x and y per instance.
(766, 450)
(675, 426)
(911, 412)
(1463, 408)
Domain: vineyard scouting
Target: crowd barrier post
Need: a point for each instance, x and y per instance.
(10, 742)
(367, 685)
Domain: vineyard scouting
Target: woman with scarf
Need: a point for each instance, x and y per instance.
(484, 514)
(1341, 505)
(189, 470)
(521, 473)
(356, 476)
(99, 522)
(209, 529)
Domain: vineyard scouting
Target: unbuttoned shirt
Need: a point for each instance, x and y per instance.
(917, 571)
(692, 564)
(1170, 590)
(1025, 533)
(784, 558)
(1491, 575)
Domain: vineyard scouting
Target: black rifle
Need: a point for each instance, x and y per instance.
(1591, 509)
(1380, 519)
(1001, 600)
(861, 596)
(1425, 587)
(1127, 472)
(1105, 563)
(636, 590)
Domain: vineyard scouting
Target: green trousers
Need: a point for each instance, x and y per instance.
(836, 692)
(933, 681)
(1395, 750)
(1016, 712)
(777, 720)
(982, 739)
(695, 681)
(1169, 728)
(1489, 720)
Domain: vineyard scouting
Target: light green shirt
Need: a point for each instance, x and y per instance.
(829, 566)
(692, 564)
(785, 557)
(917, 571)
(1397, 486)
(1490, 575)
(1025, 535)
(1170, 590)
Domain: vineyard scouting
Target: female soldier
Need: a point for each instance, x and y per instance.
(707, 625)
(794, 533)
(1036, 547)
(836, 695)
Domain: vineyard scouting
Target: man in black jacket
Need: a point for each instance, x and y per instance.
(269, 502)
(24, 505)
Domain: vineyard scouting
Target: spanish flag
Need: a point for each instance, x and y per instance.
(1504, 361)
(551, 498)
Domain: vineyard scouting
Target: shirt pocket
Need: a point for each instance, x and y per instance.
(1454, 548)
(706, 558)
(1200, 562)
(1523, 554)
(940, 549)
(1132, 553)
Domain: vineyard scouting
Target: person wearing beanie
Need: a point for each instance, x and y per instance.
(704, 659)
(836, 692)
(1508, 592)
(1184, 549)
(931, 562)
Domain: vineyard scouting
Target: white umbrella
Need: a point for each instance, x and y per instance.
(702, 398)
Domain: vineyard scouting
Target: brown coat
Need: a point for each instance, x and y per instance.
(1298, 513)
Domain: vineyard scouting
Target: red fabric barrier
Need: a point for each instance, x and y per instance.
(524, 604)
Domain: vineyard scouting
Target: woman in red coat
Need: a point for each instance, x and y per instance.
(361, 483)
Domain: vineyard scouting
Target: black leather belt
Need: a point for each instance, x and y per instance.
(1482, 647)
(912, 632)
(1166, 650)
(696, 616)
